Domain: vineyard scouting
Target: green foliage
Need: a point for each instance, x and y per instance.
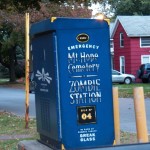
(19, 5)
(23, 5)
(12, 25)
(20, 68)
(9, 38)
(12, 46)
(130, 7)
(20, 52)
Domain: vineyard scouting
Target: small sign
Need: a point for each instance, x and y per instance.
(82, 37)
(86, 114)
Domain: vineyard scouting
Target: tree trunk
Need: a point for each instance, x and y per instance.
(12, 64)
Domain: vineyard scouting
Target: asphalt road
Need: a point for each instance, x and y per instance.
(13, 100)
(127, 114)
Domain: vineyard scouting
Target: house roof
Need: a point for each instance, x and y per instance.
(134, 26)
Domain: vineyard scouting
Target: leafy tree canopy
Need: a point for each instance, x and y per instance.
(130, 7)
(23, 5)
(18, 5)
(12, 21)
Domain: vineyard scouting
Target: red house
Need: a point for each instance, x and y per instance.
(131, 38)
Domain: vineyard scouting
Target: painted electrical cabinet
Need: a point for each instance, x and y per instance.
(73, 83)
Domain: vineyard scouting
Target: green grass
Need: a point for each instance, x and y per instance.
(13, 125)
(127, 90)
(144, 85)
(10, 121)
(17, 84)
(9, 145)
(4, 80)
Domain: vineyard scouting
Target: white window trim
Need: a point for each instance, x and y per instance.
(120, 59)
(120, 39)
(144, 56)
(111, 45)
(143, 46)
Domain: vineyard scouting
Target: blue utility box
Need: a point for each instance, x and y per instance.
(73, 83)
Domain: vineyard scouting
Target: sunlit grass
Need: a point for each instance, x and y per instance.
(127, 90)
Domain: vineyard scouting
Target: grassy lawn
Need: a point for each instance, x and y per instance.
(4, 80)
(18, 84)
(13, 126)
(127, 90)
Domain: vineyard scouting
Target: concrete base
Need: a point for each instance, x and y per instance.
(32, 145)
(35, 145)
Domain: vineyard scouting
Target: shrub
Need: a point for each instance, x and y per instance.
(20, 68)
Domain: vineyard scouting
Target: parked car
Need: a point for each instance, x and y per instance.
(118, 77)
(144, 73)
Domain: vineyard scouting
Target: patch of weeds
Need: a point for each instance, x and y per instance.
(128, 138)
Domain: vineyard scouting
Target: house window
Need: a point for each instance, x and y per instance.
(111, 44)
(122, 64)
(121, 40)
(145, 59)
(145, 41)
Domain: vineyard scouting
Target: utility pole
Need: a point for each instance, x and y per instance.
(27, 69)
